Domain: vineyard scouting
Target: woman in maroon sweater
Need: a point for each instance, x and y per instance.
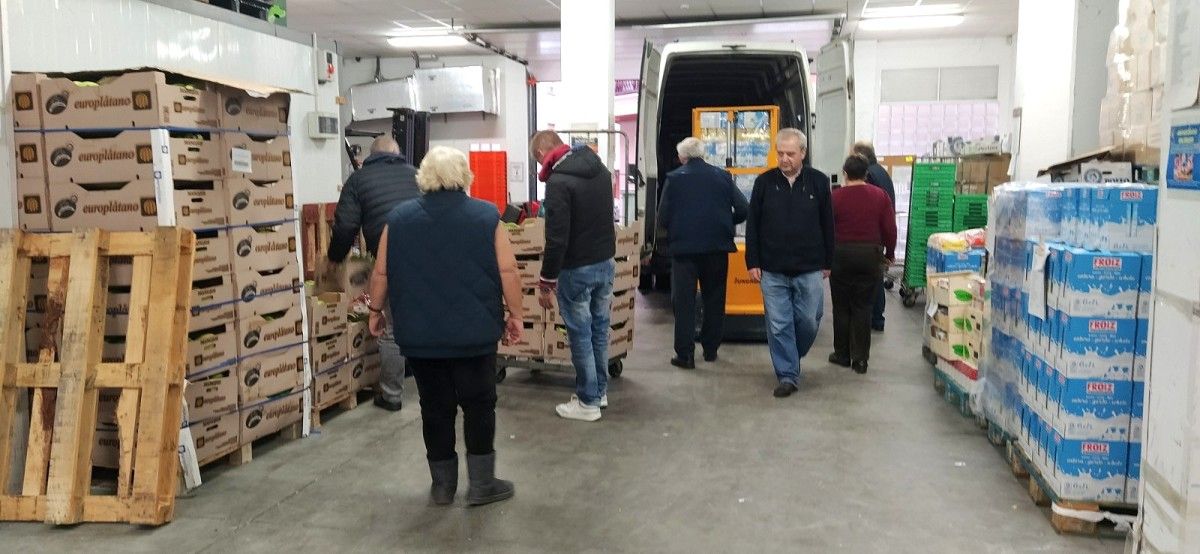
(864, 240)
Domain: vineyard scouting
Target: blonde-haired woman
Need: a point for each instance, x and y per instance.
(445, 269)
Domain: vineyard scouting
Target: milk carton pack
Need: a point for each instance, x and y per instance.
(1146, 290)
(1054, 274)
(1096, 348)
(1134, 473)
(1095, 409)
(1044, 213)
(1049, 447)
(1123, 218)
(1100, 284)
(1090, 470)
(1140, 349)
(1137, 411)
(1070, 213)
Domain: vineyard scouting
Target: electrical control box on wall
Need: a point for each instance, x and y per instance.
(323, 125)
(326, 65)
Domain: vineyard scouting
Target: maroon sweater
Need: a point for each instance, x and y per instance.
(863, 213)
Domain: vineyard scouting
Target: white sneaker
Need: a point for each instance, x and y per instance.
(574, 409)
(603, 401)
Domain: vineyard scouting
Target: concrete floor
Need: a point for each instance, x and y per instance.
(703, 461)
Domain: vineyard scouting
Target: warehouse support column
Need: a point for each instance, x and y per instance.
(8, 173)
(587, 64)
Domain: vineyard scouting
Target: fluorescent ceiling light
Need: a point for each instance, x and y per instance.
(909, 23)
(427, 41)
(913, 11)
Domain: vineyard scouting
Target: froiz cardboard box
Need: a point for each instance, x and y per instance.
(366, 370)
(253, 114)
(31, 155)
(26, 101)
(332, 385)
(263, 418)
(247, 201)
(33, 213)
(139, 99)
(270, 374)
(257, 158)
(264, 259)
(264, 332)
(215, 437)
(212, 396)
(131, 155)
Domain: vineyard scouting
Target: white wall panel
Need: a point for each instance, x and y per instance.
(96, 35)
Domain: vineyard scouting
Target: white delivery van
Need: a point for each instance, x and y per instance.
(681, 76)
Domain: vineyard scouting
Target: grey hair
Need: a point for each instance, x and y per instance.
(444, 168)
(690, 148)
(789, 133)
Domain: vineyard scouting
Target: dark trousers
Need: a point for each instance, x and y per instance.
(444, 386)
(877, 317)
(854, 285)
(710, 270)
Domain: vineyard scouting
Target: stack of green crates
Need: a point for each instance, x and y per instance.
(931, 211)
(970, 211)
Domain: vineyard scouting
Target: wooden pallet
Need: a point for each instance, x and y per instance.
(1043, 495)
(64, 384)
(346, 404)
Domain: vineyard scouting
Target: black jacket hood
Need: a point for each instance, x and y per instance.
(582, 163)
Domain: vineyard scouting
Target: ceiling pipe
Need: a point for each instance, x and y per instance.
(680, 25)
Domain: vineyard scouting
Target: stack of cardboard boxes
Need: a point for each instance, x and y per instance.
(133, 151)
(545, 334)
(344, 353)
(957, 313)
(1072, 281)
(981, 174)
(1132, 108)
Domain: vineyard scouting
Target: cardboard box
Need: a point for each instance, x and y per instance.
(558, 346)
(629, 242)
(952, 318)
(270, 158)
(947, 344)
(366, 371)
(215, 437)
(327, 314)
(270, 374)
(264, 260)
(129, 206)
(529, 238)
(200, 205)
(204, 317)
(212, 396)
(362, 342)
(332, 385)
(251, 114)
(263, 418)
(261, 332)
(259, 201)
(26, 101)
(211, 291)
(211, 348)
(213, 256)
(328, 352)
(139, 99)
(623, 307)
(627, 276)
(33, 211)
(531, 308)
(1090, 470)
(31, 155)
(952, 289)
(106, 450)
(530, 272)
(131, 155)
(532, 344)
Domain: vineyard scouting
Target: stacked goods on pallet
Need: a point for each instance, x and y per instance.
(981, 174)
(931, 211)
(545, 334)
(1131, 111)
(329, 348)
(1071, 278)
(957, 306)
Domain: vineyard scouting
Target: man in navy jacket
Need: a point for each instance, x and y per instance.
(700, 207)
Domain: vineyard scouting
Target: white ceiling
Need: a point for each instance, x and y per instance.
(361, 27)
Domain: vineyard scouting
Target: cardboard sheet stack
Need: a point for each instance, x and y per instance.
(1071, 287)
(1131, 112)
(132, 151)
(545, 335)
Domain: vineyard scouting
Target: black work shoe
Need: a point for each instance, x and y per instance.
(785, 390)
(877, 327)
(683, 364)
(860, 366)
(837, 359)
(710, 356)
(388, 404)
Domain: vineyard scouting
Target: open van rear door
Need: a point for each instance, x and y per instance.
(833, 118)
(647, 138)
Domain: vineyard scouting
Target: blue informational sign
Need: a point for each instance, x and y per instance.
(1181, 160)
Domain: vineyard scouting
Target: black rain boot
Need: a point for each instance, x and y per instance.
(445, 481)
(485, 487)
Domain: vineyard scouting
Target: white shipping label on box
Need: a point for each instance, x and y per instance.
(241, 160)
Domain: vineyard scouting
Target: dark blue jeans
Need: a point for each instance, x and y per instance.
(584, 300)
(877, 318)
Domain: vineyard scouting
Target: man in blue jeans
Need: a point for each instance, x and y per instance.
(577, 265)
(789, 251)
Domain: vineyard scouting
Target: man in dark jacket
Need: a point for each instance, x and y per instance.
(385, 181)
(789, 251)
(878, 176)
(700, 207)
(577, 265)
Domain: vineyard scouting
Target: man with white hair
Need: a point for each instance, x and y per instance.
(699, 208)
(789, 251)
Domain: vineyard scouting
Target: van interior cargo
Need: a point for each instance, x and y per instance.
(734, 79)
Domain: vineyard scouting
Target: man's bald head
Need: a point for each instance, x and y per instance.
(385, 145)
